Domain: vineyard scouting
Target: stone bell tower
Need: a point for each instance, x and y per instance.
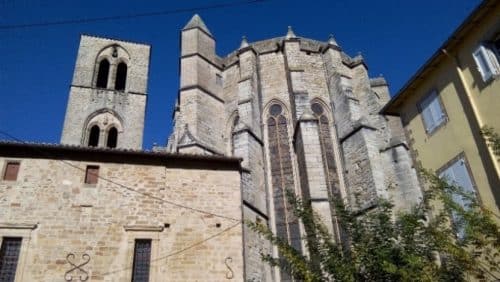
(107, 98)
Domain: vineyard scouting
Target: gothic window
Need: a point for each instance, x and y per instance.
(112, 138)
(326, 146)
(102, 74)
(94, 136)
(121, 76)
(287, 226)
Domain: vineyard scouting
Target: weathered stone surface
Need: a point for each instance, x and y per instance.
(301, 114)
(345, 153)
(104, 219)
(87, 101)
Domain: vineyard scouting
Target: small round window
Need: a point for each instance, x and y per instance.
(275, 110)
(317, 108)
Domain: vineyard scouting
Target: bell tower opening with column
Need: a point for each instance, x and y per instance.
(107, 99)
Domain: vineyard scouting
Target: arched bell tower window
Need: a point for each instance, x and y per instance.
(111, 125)
(121, 76)
(112, 138)
(94, 136)
(102, 74)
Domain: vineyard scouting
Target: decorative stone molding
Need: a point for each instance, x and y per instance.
(143, 228)
(6, 225)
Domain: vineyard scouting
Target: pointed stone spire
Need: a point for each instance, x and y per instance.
(332, 41)
(290, 33)
(244, 42)
(197, 22)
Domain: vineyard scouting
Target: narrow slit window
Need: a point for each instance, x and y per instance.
(102, 74)
(121, 76)
(142, 260)
(94, 136)
(91, 174)
(218, 79)
(11, 171)
(9, 256)
(112, 138)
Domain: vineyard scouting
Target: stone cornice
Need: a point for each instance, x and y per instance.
(8, 225)
(250, 131)
(248, 48)
(146, 228)
(202, 146)
(109, 90)
(330, 46)
(203, 89)
(394, 144)
(200, 29)
(255, 209)
(203, 58)
(356, 127)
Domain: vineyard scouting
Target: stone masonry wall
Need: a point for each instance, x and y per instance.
(85, 99)
(103, 220)
(293, 71)
(84, 102)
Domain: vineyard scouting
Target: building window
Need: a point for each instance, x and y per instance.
(94, 136)
(102, 74)
(121, 76)
(282, 175)
(112, 138)
(325, 138)
(91, 174)
(486, 57)
(432, 111)
(11, 171)
(457, 173)
(142, 260)
(9, 255)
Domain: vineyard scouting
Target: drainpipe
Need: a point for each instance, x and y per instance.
(475, 110)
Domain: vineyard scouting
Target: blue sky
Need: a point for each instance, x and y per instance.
(36, 64)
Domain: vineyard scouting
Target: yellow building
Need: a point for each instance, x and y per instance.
(450, 98)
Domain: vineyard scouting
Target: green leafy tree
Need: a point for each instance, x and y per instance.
(492, 138)
(437, 240)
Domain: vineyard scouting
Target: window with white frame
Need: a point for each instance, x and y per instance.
(457, 174)
(486, 57)
(433, 113)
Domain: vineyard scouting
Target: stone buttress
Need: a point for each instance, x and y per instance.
(304, 118)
